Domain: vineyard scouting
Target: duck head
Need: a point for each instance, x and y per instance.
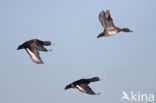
(68, 87)
(126, 30)
(20, 47)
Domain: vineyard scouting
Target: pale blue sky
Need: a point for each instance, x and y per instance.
(126, 61)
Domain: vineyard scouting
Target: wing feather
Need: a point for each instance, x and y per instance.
(85, 88)
(102, 19)
(34, 54)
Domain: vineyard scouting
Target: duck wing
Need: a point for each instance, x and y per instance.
(34, 54)
(85, 88)
(109, 20)
(106, 20)
(102, 19)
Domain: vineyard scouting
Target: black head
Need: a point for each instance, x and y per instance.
(68, 87)
(20, 47)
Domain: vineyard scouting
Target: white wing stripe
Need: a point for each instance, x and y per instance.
(80, 88)
(33, 56)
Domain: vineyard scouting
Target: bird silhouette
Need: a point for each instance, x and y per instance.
(33, 46)
(82, 85)
(108, 25)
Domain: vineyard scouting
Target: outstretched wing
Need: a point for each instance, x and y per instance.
(85, 88)
(106, 20)
(34, 55)
(109, 20)
(102, 19)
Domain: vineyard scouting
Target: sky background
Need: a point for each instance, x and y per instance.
(124, 62)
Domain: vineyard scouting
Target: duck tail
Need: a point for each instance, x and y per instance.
(100, 35)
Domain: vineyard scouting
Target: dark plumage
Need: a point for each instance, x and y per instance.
(32, 47)
(108, 25)
(82, 85)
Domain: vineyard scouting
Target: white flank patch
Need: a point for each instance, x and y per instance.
(33, 56)
(80, 88)
(112, 32)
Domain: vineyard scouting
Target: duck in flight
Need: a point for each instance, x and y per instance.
(108, 25)
(32, 47)
(82, 85)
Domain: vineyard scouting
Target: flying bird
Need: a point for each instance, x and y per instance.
(33, 47)
(108, 25)
(82, 85)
